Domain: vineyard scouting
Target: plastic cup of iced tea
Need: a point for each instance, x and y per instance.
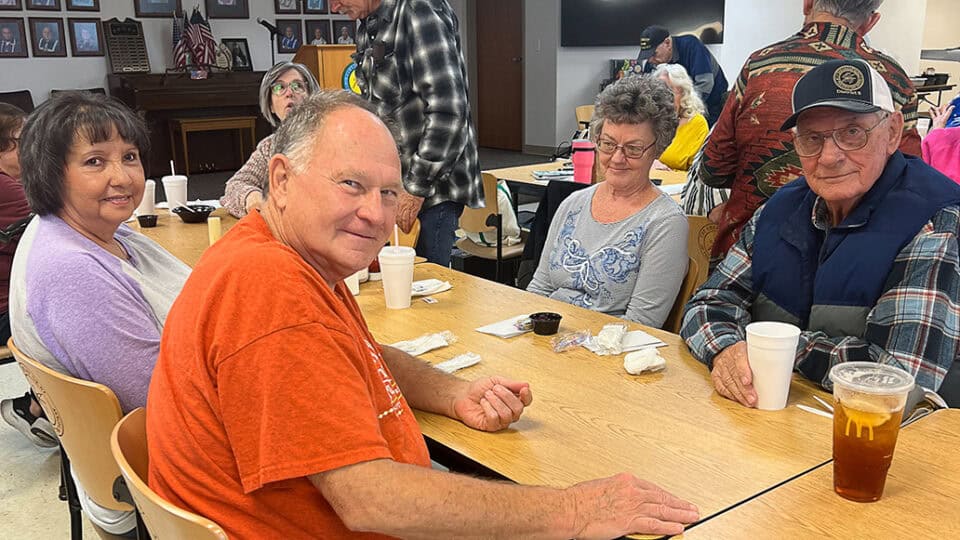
(868, 406)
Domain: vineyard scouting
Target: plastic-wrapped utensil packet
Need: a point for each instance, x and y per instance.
(425, 343)
(459, 362)
(570, 340)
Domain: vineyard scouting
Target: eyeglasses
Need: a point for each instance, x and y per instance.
(632, 151)
(849, 138)
(279, 87)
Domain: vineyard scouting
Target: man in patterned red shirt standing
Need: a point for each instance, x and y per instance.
(746, 152)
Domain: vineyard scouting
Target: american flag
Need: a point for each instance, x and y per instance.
(179, 41)
(201, 41)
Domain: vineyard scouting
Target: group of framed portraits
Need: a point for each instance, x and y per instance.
(301, 6)
(314, 32)
(47, 37)
(50, 5)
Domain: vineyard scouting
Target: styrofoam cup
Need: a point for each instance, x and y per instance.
(353, 283)
(175, 188)
(771, 350)
(396, 268)
(148, 202)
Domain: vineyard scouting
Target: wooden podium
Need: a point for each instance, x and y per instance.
(327, 62)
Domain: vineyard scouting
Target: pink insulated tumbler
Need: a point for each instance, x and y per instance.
(582, 156)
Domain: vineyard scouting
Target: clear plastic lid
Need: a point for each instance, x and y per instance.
(871, 378)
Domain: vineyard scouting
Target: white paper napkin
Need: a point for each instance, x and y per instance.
(632, 341)
(426, 287)
(504, 329)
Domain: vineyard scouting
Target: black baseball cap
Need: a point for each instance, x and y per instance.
(651, 37)
(851, 85)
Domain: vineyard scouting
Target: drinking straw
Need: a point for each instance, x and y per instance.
(396, 236)
(172, 171)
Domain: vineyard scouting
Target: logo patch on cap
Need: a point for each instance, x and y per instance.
(644, 43)
(848, 79)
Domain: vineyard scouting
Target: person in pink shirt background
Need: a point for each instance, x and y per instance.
(941, 146)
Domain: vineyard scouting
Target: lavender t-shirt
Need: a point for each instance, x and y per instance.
(82, 311)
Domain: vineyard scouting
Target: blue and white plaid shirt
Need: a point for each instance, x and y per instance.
(915, 324)
(411, 67)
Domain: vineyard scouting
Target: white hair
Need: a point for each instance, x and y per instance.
(690, 102)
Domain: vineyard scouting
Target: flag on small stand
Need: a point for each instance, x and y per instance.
(179, 40)
(201, 41)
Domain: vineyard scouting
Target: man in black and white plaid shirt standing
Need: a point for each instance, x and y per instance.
(411, 67)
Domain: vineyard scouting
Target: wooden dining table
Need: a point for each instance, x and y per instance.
(589, 417)
(186, 241)
(920, 499)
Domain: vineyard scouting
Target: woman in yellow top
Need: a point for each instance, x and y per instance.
(693, 128)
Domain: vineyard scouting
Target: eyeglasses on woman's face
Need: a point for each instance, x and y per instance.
(297, 87)
(630, 150)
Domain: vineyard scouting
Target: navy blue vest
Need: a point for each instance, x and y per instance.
(797, 266)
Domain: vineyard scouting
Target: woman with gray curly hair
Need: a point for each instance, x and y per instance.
(620, 246)
(692, 129)
(283, 87)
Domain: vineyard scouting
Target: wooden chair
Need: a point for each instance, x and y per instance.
(410, 239)
(584, 115)
(6, 357)
(699, 243)
(687, 287)
(487, 220)
(83, 414)
(128, 442)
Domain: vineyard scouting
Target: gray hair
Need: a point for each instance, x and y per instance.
(53, 129)
(855, 11)
(690, 102)
(635, 100)
(271, 76)
(296, 136)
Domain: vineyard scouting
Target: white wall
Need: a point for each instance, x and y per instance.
(940, 32)
(748, 26)
(40, 75)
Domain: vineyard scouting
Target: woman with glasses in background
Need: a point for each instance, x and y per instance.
(620, 246)
(282, 88)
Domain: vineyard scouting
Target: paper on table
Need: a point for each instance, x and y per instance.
(426, 287)
(632, 341)
(504, 329)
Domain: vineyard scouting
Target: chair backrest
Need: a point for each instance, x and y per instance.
(687, 287)
(699, 243)
(584, 115)
(128, 442)
(21, 99)
(410, 239)
(83, 414)
(91, 90)
(474, 220)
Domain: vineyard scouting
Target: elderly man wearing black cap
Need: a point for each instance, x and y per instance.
(861, 252)
(657, 47)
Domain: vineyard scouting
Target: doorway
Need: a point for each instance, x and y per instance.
(499, 53)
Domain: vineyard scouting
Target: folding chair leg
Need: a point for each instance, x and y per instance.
(142, 533)
(73, 501)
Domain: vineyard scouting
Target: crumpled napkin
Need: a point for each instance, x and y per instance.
(426, 287)
(644, 360)
(630, 341)
(425, 343)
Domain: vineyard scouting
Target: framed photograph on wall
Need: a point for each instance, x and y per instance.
(291, 35)
(315, 6)
(13, 39)
(228, 9)
(11, 5)
(86, 37)
(47, 5)
(240, 52)
(286, 6)
(156, 8)
(344, 32)
(46, 37)
(317, 32)
(83, 5)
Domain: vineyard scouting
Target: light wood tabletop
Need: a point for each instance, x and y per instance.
(524, 173)
(589, 418)
(919, 500)
(186, 241)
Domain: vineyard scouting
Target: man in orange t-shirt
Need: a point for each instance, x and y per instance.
(274, 412)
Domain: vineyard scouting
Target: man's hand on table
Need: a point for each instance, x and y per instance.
(492, 403)
(732, 376)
